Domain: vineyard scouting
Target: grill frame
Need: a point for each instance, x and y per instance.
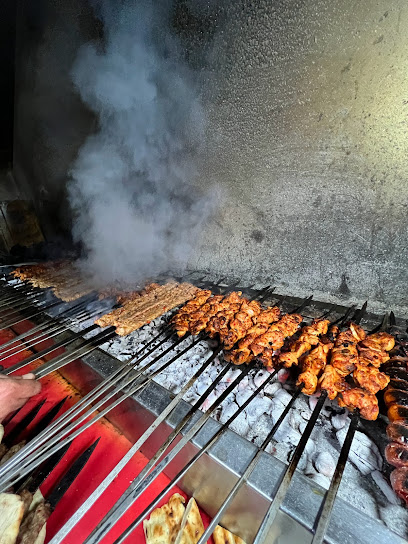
(297, 517)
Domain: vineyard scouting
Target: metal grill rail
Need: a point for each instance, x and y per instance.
(128, 379)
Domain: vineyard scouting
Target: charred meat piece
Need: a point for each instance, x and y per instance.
(183, 321)
(396, 413)
(268, 316)
(344, 358)
(396, 454)
(398, 432)
(381, 341)
(399, 482)
(309, 337)
(290, 358)
(332, 382)
(370, 378)
(352, 335)
(312, 365)
(309, 380)
(247, 339)
(276, 334)
(366, 402)
(396, 396)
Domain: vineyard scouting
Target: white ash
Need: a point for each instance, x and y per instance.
(364, 454)
(324, 463)
(385, 487)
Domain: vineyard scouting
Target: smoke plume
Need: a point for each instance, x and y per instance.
(134, 183)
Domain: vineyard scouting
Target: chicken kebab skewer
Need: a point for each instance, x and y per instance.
(266, 336)
(327, 366)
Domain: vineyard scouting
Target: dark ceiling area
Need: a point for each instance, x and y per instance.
(7, 50)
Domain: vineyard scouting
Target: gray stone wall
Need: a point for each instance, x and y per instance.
(309, 115)
(307, 105)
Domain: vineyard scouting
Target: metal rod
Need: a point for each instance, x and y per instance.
(90, 501)
(28, 449)
(248, 471)
(31, 315)
(46, 351)
(81, 351)
(58, 442)
(187, 467)
(288, 474)
(47, 334)
(16, 293)
(50, 322)
(86, 401)
(328, 501)
(146, 476)
(19, 304)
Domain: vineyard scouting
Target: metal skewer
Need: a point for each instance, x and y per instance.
(328, 501)
(90, 501)
(210, 443)
(49, 322)
(248, 471)
(145, 477)
(49, 442)
(88, 399)
(288, 474)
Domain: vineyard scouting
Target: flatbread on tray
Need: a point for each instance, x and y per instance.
(222, 536)
(165, 522)
(11, 514)
(192, 526)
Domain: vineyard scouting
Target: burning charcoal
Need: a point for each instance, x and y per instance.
(364, 454)
(296, 421)
(257, 408)
(339, 420)
(385, 487)
(241, 425)
(242, 396)
(313, 401)
(201, 386)
(283, 375)
(324, 463)
(310, 447)
(286, 434)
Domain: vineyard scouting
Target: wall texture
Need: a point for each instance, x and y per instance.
(307, 106)
(309, 111)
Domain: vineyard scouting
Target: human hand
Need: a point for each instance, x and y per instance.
(15, 391)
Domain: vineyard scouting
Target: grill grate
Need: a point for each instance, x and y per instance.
(130, 378)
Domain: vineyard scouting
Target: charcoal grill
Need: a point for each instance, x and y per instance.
(239, 485)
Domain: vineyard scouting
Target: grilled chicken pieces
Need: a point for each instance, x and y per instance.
(344, 364)
(262, 346)
(366, 402)
(309, 337)
(312, 365)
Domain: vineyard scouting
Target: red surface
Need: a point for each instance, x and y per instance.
(110, 449)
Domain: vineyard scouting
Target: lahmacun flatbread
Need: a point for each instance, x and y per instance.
(165, 522)
(222, 536)
(12, 511)
(192, 526)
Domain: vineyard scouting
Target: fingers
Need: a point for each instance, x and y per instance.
(29, 376)
(28, 387)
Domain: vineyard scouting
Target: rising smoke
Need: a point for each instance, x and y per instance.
(137, 209)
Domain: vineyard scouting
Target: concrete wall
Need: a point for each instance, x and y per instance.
(309, 120)
(307, 104)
